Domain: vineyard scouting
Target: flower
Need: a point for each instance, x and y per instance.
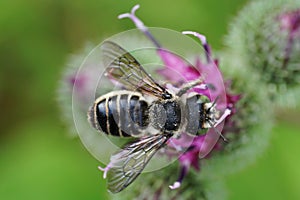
(203, 159)
(177, 72)
(290, 21)
(265, 37)
(74, 88)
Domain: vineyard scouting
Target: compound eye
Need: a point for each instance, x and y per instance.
(167, 96)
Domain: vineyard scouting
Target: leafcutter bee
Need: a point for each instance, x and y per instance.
(147, 111)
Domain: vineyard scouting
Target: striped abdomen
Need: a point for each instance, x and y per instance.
(120, 113)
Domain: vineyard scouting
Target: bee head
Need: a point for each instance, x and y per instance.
(211, 114)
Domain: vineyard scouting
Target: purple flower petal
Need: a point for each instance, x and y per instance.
(290, 21)
(139, 24)
(204, 43)
(183, 173)
(105, 170)
(214, 80)
(176, 69)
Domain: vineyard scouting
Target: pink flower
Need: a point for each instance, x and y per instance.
(178, 72)
(290, 21)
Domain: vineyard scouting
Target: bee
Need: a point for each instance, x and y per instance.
(144, 110)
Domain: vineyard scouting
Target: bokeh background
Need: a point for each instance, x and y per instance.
(39, 159)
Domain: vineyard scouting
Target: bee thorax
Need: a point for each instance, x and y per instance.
(165, 115)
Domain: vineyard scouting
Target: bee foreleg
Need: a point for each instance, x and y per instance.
(190, 85)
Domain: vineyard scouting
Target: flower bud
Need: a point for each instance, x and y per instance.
(266, 37)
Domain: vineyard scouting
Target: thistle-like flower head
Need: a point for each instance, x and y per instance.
(177, 72)
(199, 160)
(266, 38)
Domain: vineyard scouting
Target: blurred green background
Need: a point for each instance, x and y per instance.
(38, 160)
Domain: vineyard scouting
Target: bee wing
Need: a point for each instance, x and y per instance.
(126, 70)
(127, 164)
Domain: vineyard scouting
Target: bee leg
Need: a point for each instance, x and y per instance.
(190, 85)
(225, 114)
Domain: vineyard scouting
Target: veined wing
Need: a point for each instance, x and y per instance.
(126, 70)
(127, 164)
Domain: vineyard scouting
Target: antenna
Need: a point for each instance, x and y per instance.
(214, 103)
(217, 131)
